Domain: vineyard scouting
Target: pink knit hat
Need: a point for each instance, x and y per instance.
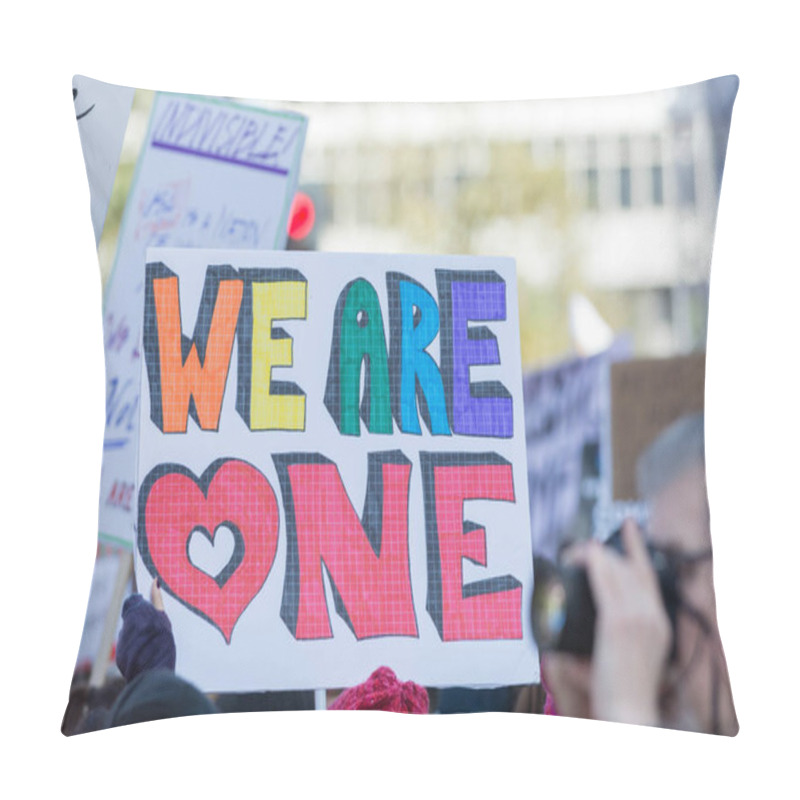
(383, 692)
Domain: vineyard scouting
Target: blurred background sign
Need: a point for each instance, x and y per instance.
(566, 413)
(647, 395)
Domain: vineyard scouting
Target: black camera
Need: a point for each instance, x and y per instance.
(563, 612)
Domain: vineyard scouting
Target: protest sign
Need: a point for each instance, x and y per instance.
(646, 396)
(284, 392)
(101, 595)
(566, 414)
(210, 174)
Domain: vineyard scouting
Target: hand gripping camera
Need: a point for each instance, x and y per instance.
(563, 611)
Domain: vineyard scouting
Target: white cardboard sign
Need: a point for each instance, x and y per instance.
(210, 174)
(331, 472)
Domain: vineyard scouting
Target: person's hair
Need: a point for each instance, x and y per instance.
(679, 446)
(158, 694)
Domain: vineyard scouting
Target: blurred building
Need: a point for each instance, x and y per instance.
(615, 198)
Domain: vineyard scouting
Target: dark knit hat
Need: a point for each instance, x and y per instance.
(158, 694)
(146, 640)
(383, 692)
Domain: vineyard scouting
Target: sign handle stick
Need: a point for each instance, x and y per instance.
(100, 666)
(319, 700)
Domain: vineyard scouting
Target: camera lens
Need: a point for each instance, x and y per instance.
(549, 606)
(562, 609)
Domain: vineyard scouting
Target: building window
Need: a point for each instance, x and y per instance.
(684, 163)
(625, 187)
(592, 189)
(592, 175)
(685, 184)
(657, 184)
(625, 172)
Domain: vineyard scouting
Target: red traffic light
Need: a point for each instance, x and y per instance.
(301, 217)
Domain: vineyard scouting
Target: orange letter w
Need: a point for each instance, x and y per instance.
(188, 376)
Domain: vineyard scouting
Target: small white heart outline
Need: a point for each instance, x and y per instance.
(214, 556)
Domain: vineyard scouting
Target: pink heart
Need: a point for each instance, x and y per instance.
(173, 504)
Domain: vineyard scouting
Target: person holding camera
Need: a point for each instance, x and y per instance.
(621, 681)
(654, 656)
